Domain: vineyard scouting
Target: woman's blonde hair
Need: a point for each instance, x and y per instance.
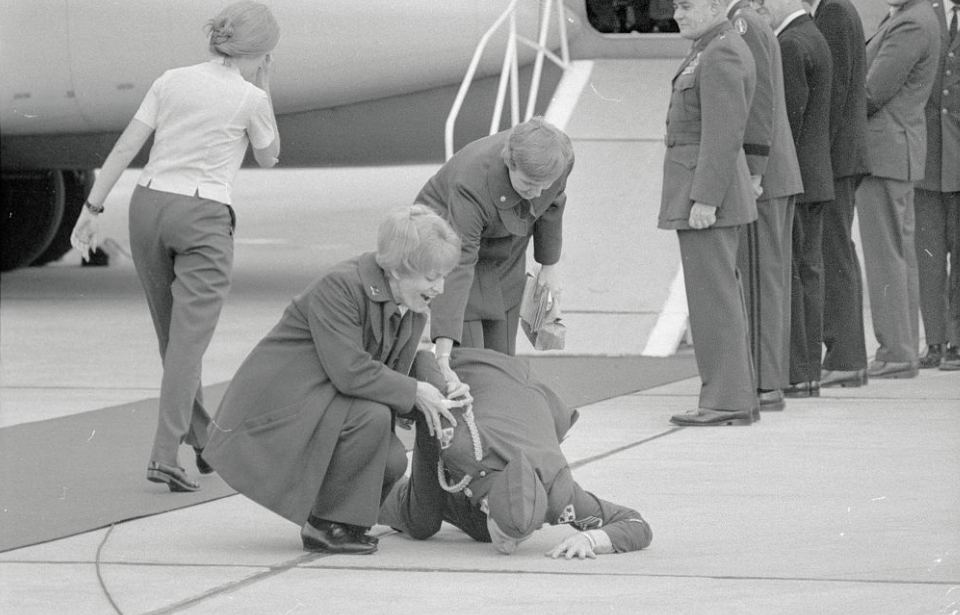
(244, 28)
(540, 150)
(416, 240)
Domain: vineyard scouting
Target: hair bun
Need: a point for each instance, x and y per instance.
(221, 31)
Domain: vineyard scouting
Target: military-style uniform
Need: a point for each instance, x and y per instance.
(514, 412)
(705, 163)
(472, 191)
(766, 249)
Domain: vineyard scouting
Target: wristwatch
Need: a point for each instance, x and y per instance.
(94, 209)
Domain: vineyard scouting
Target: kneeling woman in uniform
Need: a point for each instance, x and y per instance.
(306, 426)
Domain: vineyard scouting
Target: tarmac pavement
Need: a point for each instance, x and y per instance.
(847, 503)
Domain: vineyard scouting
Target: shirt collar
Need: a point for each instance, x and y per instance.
(789, 19)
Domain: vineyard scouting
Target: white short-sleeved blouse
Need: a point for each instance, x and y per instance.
(204, 116)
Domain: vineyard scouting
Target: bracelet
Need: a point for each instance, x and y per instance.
(94, 209)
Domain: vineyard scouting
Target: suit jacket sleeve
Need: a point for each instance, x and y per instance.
(548, 229)
(796, 88)
(626, 528)
(336, 322)
(724, 106)
(830, 21)
(468, 216)
(902, 47)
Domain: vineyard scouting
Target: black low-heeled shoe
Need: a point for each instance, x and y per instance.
(333, 537)
(202, 466)
(175, 478)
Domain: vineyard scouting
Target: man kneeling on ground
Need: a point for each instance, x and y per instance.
(500, 474)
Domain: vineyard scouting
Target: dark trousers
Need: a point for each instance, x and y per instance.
(843, 334)
(499, 335)
(718, 317)
(938, 263)
(806, 293)
(366, 463)
(182, 248)
(418, 505)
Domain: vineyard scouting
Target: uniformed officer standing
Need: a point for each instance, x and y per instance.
(938, 202)
(707, 198)
(766, 249)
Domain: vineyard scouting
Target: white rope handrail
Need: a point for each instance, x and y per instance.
(509, 71)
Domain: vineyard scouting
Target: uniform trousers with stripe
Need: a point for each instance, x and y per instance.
(182, 248)
(718, 319)
(887, 225)
(765, 263)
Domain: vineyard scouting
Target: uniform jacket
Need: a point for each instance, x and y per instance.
(472, 192)
(840, 24)
(942, 169)
(902, 61)
(806, 58)
(706, 120)
(514, 411)
(781, 177)
(282, 414)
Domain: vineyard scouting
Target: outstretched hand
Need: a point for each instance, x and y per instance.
(575, 545)
(85, 237)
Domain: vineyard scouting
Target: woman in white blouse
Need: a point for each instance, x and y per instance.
(181, 219)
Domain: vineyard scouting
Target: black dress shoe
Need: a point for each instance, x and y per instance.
(713, 418)
(771, 400)
(803, 389)
(843, 378)
(363, 535)
(175, 478)
(951, 359)
(334, 537)
(933, 357)
(202, 466)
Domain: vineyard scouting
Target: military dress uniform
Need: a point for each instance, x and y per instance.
(938, 200)
(516, 417)
(765, 251)
(705, 163)
(480, 304)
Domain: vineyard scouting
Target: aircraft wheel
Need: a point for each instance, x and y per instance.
(77, 185)
(33, 204)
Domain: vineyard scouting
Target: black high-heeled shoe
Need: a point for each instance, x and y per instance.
(175, 478)
(202, 466)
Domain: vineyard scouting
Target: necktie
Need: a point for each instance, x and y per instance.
(953, 20)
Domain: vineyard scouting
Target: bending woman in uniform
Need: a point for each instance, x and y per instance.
(306, 426)
(181, 220)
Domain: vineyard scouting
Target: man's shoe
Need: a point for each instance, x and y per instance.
(363, 535)
(803, 389)
(334, 538)
(933, 357)
(951, 359)
(771, 400)
(202, 466)
(892, 369)
(843, 378)
(175, 478)
(713, 418)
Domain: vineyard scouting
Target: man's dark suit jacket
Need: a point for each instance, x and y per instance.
(806, 61)
(840, 24)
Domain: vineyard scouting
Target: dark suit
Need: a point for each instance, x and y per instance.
(902, 61)
(938, 196)
(806, 58)
(705, 163)
(764, 254)
(843, 335)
